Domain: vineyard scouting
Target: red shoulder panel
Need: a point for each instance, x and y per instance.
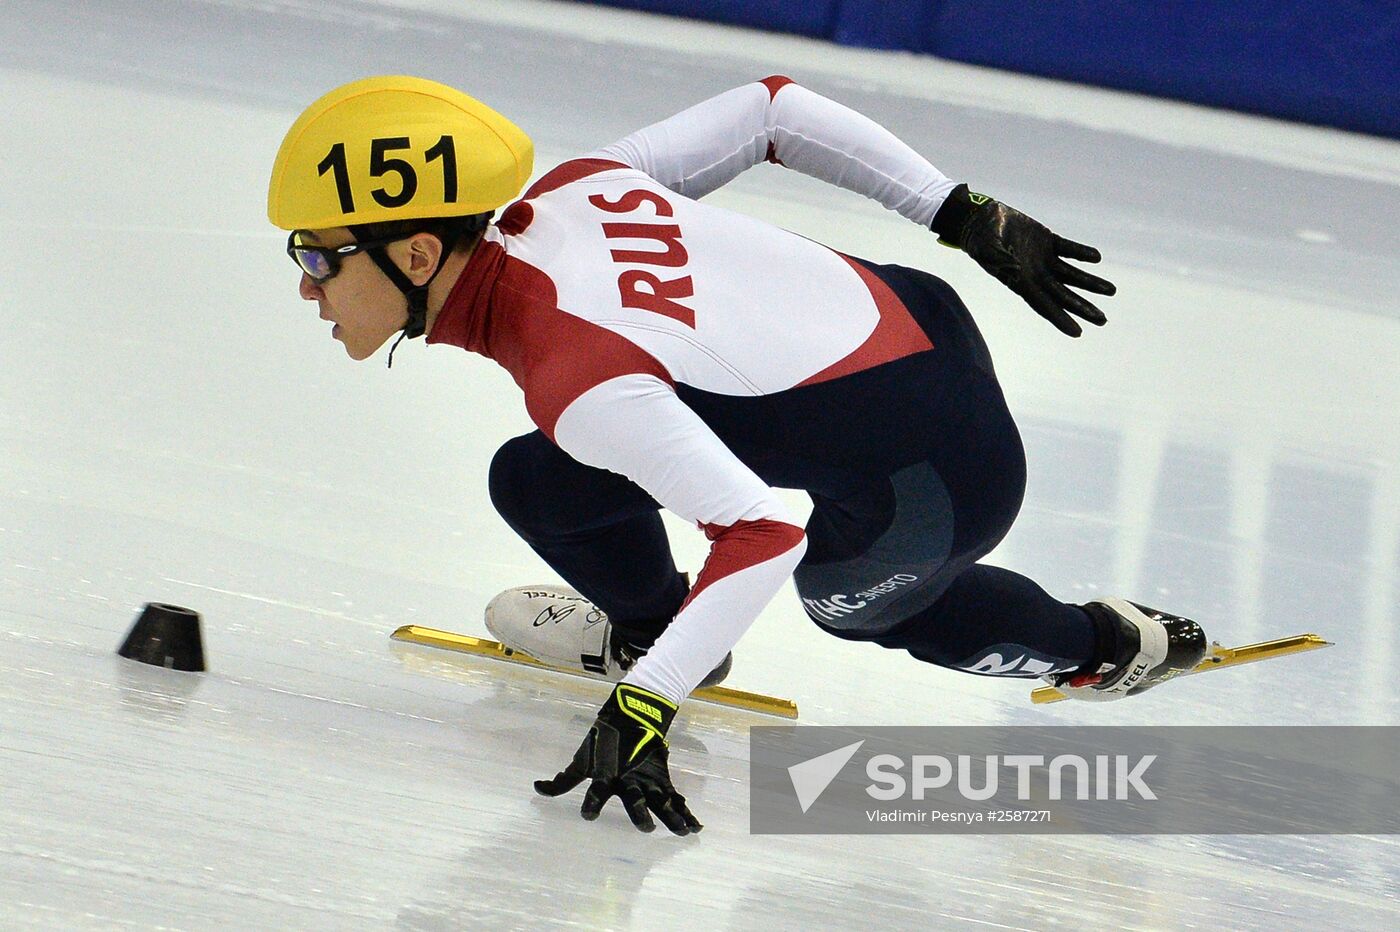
(775, 83)
(570, 171)
(553, 355)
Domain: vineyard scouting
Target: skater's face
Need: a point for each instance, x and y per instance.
(358, 298)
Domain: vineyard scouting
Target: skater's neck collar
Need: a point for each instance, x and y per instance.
(462, 319)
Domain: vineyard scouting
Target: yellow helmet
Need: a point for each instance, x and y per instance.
(395, 148)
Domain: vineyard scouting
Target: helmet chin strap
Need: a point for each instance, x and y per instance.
(416, 295)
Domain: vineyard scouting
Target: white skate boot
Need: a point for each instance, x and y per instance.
(1155, 646)
(559, 626)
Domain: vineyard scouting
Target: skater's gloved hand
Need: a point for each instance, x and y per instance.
(624, 755)
(1024, 256)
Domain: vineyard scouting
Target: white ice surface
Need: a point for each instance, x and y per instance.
(175, 425)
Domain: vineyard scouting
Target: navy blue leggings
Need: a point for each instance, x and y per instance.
(899, 519)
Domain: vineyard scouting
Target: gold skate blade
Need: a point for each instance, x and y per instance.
(483, 647)
(1220, 656)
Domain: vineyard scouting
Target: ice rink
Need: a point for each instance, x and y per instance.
(177, 425)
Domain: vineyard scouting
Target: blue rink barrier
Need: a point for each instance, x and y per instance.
(1333, 62)
(805, 17)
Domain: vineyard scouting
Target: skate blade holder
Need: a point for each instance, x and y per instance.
(483, 647)
(1219, 657)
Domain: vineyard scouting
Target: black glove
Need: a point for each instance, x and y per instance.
(625, 755)
(1024, 256)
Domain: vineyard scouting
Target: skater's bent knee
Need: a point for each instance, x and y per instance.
(511, 478)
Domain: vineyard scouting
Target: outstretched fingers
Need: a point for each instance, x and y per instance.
(1079, 278)
(1072, 250)
(635, 801)
(599, 792)
(1049, 306)
(1076, 305)
(562, 782)
(671, 809)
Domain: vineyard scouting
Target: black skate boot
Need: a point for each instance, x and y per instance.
(1153, 647)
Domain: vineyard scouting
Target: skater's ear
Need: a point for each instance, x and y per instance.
(419, 256)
